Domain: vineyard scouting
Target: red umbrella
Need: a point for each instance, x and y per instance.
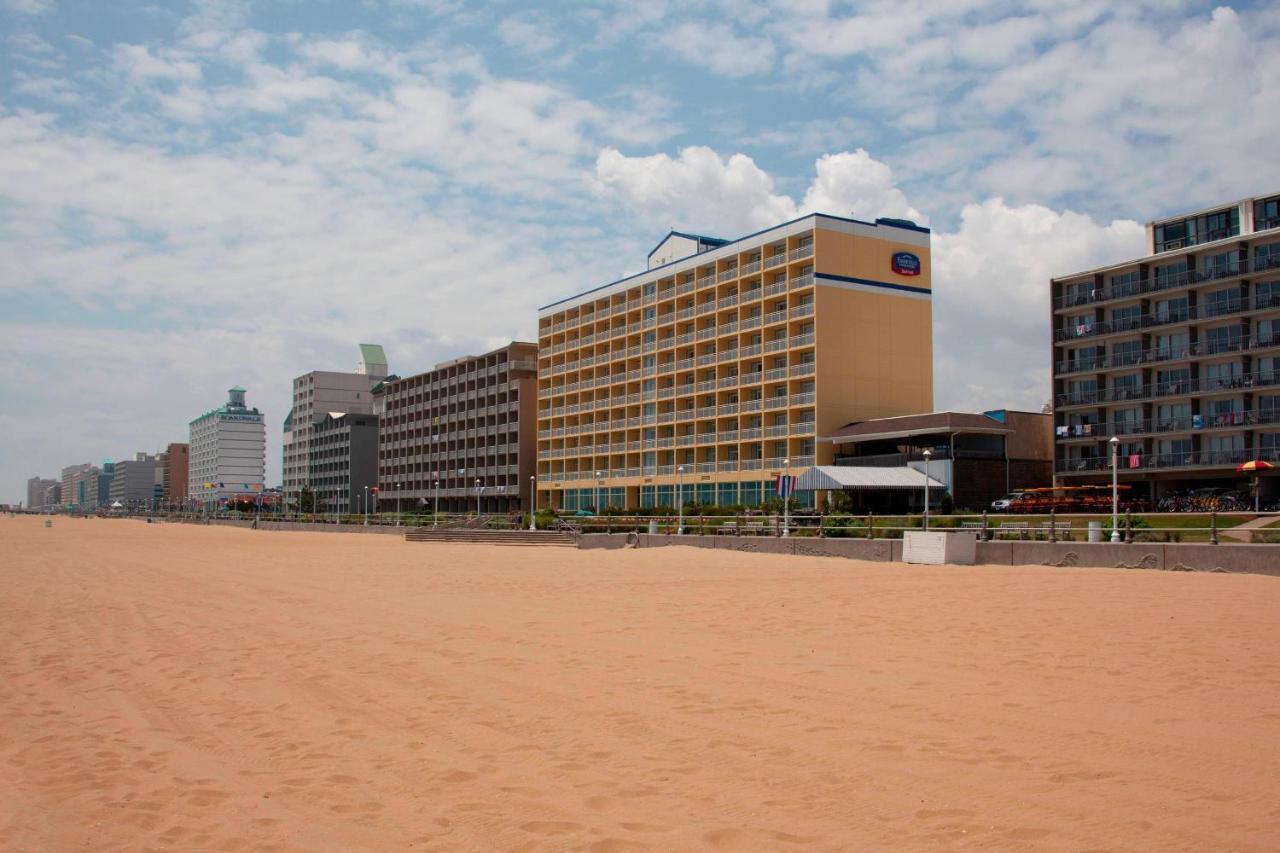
(1255, 465)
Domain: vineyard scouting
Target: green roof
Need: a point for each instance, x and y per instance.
(372, 354)
(236, 388)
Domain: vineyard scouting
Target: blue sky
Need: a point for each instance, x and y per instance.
(200, 194)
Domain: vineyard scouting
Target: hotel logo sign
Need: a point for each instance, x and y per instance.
(905, 263)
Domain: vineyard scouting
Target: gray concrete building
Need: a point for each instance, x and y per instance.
(315, 395)
(134, 482)
(37, 492)
(344, 462)
(227, 452)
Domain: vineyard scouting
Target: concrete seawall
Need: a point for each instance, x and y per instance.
(1253, 559)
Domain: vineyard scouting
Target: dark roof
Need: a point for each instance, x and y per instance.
(926, 424)
(701, 239)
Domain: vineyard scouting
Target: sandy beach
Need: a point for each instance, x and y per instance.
(174, 687)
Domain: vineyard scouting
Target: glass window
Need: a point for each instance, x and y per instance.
(1126, 352)
(1223, 339)
(1171, 275)
(1171, 310)
(1269, 443)
(1125, 284)
(1172, 346)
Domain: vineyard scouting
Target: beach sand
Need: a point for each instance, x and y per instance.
(174, 687)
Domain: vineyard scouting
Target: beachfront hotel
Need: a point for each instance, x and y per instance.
(1176, 354)
(227, 452)
(716, 369)
(315, 395)
(460, 436)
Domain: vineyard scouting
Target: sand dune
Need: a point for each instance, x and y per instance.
(191, 688)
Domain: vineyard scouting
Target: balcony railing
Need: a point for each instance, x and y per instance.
(1180, 388)
(1156, 284)
(1158, 355)
(1188, 423)
(1094, 329)
(1157, 461)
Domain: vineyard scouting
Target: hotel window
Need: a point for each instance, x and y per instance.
(1172, 346)
(1128, 317)
(1125, 353)
(1221, 302)
(1220, 265)
(1171, 310)
(1171, 275)
(1225, 447)
(1268, 333)
(1126, 387)
(1171, 416)
(1126, 421)
(1269, 443)
(1173, 451)
(1266, 214)
(1125, 284)
(1266, 294)
(1176, 381)
(1171, 235)
(1266, 257)
(1081, 324)
(1268, 407)
(1223, 374)
(1078, 293)
(1223, 339)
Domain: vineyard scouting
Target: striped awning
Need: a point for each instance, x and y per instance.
(840, 477)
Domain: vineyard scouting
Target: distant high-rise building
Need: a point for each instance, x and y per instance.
(174, 463)
(228, 452)
(79, 486)
(315, 395)
(133, 482)
(344, 462)
(37, 489)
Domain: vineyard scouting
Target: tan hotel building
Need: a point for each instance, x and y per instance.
(728, 359)
(1176, 354)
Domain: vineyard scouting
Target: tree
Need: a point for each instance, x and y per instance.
(306, 500)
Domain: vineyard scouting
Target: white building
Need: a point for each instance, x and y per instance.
(317, 393)
(228, 452)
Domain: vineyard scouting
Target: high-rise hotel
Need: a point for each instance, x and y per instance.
(1176, 354)
(721, 365)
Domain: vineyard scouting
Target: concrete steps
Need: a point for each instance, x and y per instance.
(553, 538)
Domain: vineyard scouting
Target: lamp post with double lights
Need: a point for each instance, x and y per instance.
(680, 499)
(786, 497)
(1115, 488)
(927, 454)
(533, 501)
(599, 477)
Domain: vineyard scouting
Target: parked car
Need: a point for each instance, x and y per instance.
(1004, 503)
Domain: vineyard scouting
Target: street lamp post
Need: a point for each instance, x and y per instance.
(435, 512)
(533, 501)
(927, 454)
(479, 491)
(366, 506)
(680, 499)
(786, 498)
(1115, 488)
(599, 477)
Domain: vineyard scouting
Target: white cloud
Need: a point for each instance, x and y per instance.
(141, 64)
(528, 35)
(851, 183)
(720, 49)
(991, 307)
(29, 7)
(697, 190)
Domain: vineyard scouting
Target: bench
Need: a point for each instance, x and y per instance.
(1018, 529)
(755, 528)
(729, 527)
(1060, 528)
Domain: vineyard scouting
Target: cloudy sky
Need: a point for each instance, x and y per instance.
(200, 193)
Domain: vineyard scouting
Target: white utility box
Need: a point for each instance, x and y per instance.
(935, 548)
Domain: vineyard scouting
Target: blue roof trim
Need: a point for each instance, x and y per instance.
(873, 283)
(715, 242)
(742, 239)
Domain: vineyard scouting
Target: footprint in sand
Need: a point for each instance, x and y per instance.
(551, 827)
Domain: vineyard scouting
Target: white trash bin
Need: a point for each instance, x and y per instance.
(1095, 531)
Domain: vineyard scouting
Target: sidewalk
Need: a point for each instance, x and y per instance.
(1244, 532)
